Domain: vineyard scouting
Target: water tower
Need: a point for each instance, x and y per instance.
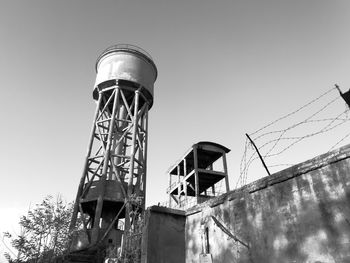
(199, 175)
(111, 194)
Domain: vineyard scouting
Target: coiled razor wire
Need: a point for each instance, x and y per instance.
(268, 148)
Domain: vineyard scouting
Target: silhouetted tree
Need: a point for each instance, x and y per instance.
(44, 232)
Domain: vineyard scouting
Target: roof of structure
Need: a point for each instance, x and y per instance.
(208, 153)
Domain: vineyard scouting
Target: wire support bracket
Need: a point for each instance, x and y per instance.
(345, 96)
(261, 159)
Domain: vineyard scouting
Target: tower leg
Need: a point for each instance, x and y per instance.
(86, 165)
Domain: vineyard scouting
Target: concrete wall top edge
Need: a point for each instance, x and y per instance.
(166, 210)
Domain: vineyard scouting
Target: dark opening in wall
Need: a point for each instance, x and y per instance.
(206, 238)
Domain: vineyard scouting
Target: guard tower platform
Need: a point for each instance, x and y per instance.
(199, 175)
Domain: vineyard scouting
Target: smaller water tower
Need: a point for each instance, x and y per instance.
(199, 175)
(111, 196)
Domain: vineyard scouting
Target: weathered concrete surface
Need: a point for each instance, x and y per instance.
(301, 215)
(164, 236)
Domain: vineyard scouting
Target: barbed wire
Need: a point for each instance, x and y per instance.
(243, 162)
(292, 113)
(304, 121)
(306, 136)
(253, 156)
(341, 140)
(244, 168)
(274, 147)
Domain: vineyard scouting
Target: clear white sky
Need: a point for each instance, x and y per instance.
(225, 68)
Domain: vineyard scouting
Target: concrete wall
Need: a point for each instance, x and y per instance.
(301, 215)
(164, 236)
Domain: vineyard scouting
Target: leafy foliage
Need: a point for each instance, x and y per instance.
(44, 232)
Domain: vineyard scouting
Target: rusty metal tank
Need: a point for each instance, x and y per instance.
(126, 65)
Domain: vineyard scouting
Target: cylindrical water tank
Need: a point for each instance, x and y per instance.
(127, 64)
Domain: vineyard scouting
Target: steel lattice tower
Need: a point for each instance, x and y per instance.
(111, 196)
